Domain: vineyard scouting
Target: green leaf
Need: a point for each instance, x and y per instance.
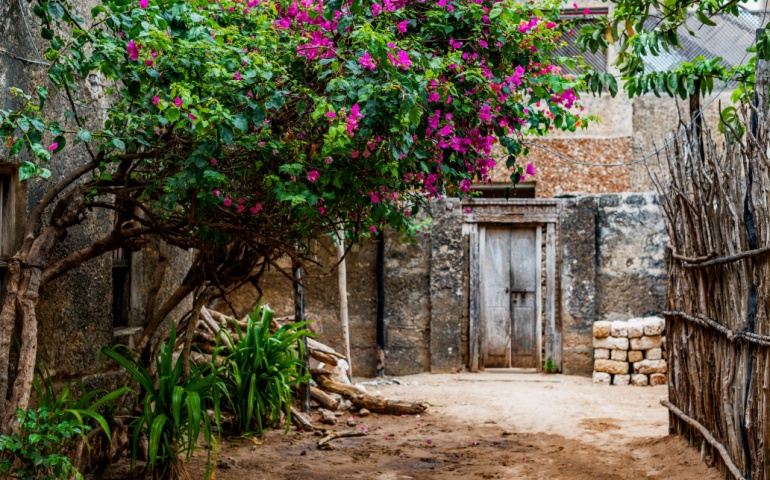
(55, 10)
(16, 148)
(495, 12)
(225, 134)
(84, 135)
(119, 144)
(241, 122)
(27, 170)
(702, 18)
(172, 114)
(276, 101)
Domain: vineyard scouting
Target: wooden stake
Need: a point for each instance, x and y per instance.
(343, 287)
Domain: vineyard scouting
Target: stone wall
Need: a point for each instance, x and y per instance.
(630, 352)
(578, 283)
(630, 256)
(74, 312)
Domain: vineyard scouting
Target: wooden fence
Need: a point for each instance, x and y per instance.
(715, 194)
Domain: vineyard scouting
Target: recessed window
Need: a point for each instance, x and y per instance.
(121, 287)
(506, 190)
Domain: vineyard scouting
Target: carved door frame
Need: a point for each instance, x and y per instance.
(515, 213)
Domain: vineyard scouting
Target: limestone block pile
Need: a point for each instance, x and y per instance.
(630, 352)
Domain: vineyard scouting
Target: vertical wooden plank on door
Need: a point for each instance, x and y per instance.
(496, 269)
(552, 334)
(482, 314)
(523, 295)
(539, 297)
(473, 300)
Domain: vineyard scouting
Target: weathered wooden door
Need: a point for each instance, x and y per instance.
(510, 296)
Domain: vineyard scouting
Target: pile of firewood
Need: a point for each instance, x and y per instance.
(331, 389)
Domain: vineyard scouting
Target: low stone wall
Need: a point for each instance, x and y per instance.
(630, 352)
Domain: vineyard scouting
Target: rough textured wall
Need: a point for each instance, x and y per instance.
(578, 283)
(654, 120)
(631, 249)
(74, 322)
(446, 286)
(75, 311)
(407, 305)
(556, 177)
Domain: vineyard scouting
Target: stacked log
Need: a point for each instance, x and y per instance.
(630, 352)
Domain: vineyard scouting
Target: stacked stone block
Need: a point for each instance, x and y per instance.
(630, 352)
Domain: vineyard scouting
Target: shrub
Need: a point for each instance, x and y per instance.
(262, 369)
(173, 410)
(35, 453)
(85, 406)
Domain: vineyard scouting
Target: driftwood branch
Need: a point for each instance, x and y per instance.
(325, 440)
(364, 400)
(709, 437)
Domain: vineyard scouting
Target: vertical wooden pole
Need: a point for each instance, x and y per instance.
(473, 299)
(342, 277)
(299, 316)
(552, 335)
(380, 304)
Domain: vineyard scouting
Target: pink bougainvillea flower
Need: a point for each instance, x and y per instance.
(192, 117)
(373, 229)
(331, 114)
(133, 50)
(148, 62)
(217, 193)
(587, 11)
(485, 114)
(143, 3)
(53, 146)
(256, 209)
(155, 100)
(228, 202)
(403, 59)
(213, 162)
(178, 102)
(237, 76)
(574, 5)
(402, 26)
(434, 97)
(530, 170)
(241, 208)
(321, 210)
(465, 185)
(483, 44)
(445, 130)
(313, 176)
(367, 61)
(376, 9)
(241, 201)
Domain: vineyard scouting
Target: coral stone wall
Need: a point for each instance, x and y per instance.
(630, 352)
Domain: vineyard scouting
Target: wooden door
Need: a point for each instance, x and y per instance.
(510, 296)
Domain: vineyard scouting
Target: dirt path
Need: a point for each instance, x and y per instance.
(490, 425)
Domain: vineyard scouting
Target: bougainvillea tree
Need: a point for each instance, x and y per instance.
(245, 127)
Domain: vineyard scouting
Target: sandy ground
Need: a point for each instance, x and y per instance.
(493, 425)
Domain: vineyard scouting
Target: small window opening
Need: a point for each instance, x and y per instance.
(121, 287)
(501, 190)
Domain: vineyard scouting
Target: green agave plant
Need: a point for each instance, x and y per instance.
(173, 409)
(262, 369)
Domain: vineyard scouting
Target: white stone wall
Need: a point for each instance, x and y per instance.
(630, 352)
